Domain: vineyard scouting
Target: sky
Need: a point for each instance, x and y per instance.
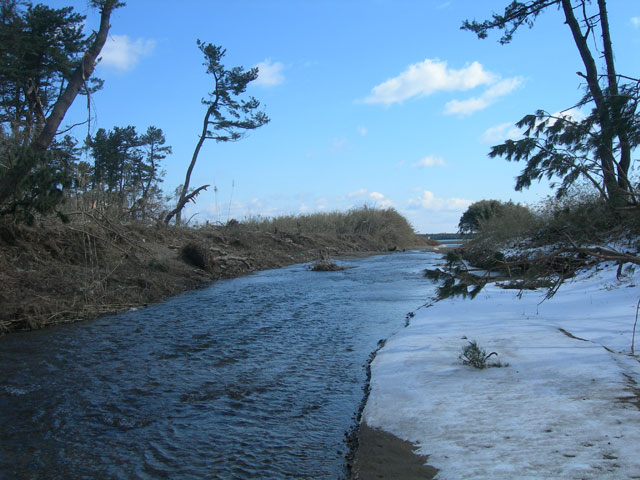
(384, 103)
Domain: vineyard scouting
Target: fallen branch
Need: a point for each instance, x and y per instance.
(188, 198)
(605, 253)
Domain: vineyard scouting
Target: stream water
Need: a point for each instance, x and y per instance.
(255, 377)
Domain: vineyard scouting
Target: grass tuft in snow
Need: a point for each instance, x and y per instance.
(477, 356)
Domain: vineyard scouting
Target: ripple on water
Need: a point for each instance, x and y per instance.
(257, 377)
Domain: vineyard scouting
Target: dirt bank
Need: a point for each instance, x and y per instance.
(54, 273)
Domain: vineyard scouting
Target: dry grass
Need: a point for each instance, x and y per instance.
(385, 226)
(52, 273)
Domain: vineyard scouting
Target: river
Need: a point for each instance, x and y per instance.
(254, 377)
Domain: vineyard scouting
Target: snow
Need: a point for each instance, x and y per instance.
(554, 412)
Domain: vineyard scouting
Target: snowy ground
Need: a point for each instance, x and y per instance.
(563, 408)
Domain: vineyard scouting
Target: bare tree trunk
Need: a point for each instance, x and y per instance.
(183, 200)
(81, 74)
(605, 149)
(616, 102)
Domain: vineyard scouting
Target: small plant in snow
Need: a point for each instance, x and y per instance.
(477, 357)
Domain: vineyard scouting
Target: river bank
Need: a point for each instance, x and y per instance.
(55, 273)
(565, 403)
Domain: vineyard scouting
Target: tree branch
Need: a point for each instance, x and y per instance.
(183, 201)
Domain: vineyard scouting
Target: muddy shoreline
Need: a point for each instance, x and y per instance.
(384, 456)
(377, 454)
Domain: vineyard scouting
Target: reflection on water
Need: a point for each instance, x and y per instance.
(256, 377)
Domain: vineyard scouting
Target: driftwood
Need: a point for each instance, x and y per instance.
(233, 258)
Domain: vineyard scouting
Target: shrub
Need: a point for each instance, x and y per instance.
(584, 216)
(512, 221)
(478, 211)
(477, 357)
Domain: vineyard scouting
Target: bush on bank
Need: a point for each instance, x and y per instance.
(541, 247)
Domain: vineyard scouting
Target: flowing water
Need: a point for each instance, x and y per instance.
(255, 377)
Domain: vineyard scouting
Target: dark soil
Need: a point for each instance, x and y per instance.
(54, 273)
(382, 455)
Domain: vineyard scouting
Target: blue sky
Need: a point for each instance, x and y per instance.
(377, 102)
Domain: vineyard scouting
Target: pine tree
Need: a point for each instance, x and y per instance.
(597, 148)
(227, 118)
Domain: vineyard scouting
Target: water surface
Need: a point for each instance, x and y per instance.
(255, 377)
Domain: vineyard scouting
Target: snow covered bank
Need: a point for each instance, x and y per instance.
(565, 407)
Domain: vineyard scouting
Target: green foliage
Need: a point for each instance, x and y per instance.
(516, 14)
(487, 213)
(472, 354)
(559, 146)
(42, 52)
(597, 148)
(39, 178)
(513, 221)
(228, 115)
(125, 172)
(455, 280)
(477, 211)
(560, 241)
(40, 47)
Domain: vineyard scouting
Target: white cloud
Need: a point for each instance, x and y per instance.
(362, 130)
(269, 74)
(427, 77)
(573, 114)
(429, 161)
(339, 145)
(428, 201)
(500, 133)
(488, 97)
(122, 53)
(510, 131)
(358, 193)
(635, 21)
(465, 107)
(336, 145)
(378, 199)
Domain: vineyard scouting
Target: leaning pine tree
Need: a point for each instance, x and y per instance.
(598, 147)
(46, 62)
(227, 118)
